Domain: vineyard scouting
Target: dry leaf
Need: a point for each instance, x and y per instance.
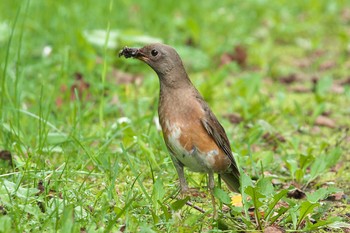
(273, 138)
(6, 155)
(291, 78)
(296, 194)
(81, 87)
(120, 77)
(300, 89)
(325, 121)
(336, 197)
(338, 89)
(239, 56)
(234, 118)
(274, 229)
(327, 65)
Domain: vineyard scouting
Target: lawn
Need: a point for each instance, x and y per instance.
(80, 146)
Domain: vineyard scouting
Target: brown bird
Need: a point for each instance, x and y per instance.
(192, 133)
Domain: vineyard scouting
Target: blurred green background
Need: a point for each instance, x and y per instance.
(80, 122)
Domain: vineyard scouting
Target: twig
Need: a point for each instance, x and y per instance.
(195, 207)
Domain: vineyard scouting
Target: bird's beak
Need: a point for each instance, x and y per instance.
(134, 53)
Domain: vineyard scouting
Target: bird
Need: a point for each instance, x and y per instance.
(192, 133)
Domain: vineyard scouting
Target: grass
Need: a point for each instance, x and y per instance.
(79, 122)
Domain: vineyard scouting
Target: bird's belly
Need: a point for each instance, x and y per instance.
(188, 153)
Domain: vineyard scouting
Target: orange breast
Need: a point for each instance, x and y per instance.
(191, 143)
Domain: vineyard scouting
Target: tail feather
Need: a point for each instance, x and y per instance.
(231, 178)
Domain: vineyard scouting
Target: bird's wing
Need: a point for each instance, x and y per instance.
(216, 131)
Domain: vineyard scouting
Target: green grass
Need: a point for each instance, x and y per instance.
(87, 155)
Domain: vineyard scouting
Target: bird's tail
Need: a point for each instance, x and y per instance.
(231, 178)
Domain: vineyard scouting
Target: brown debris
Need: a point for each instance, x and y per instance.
(190, 42)
(296, 194)
(288, 79)
(80, 86)
(122, 228)
(300, 89)
(239, 55)
(52, 193)
(234, 118)
(2, 210)
(325, 121)
(326, 113)
(304, 63)
(345, 81)
(345, 15)
(41, 204)
(317, 53)
(273, 138)
(337, 89)
(274, 229)
(336, 197)
(327, 65)
(315, 130)
(6, 155)
(120, 77)
(41, 187)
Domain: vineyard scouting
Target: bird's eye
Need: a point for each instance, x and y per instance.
(154, 52)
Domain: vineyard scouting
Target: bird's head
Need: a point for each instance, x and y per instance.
(162, 58)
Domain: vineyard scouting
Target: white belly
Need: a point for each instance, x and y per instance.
(194, 159)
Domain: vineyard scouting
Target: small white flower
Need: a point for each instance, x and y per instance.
(46, 51)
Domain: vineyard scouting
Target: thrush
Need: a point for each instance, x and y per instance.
(191, 131)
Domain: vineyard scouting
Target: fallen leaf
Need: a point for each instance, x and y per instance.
(273, 138)
(336, 196)
(41, 187)
(338, 89)
(122, 228)
(325, 121)
(239, 55)
(327, 65)
(40, 204)
(6, 155)
(304, 63)
(300, 89)
(318, 53)
(120, 77)
(315, 130)
(345, 81)
(274, 229)
(225, 59)
(291, 78)
(234, 118)
(81, 87)
(190, 42)
(345, 15)
(326, 113)
(296, 194)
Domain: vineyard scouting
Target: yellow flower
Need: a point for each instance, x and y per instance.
(236, 200)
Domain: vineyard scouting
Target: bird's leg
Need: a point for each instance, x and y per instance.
(182, 179)
(180, 172)
(211, 189)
